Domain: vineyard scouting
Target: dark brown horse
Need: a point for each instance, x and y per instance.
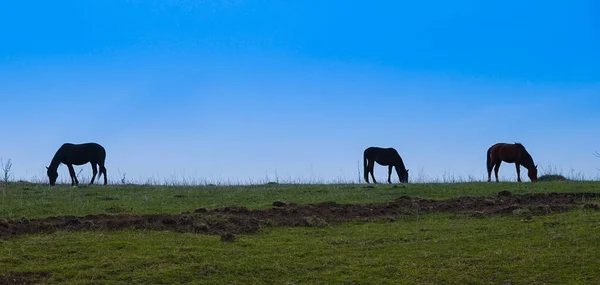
(78, 154)
(511, 153)
(387, 157)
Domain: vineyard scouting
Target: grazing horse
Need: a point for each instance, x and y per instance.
(78, 154)
(511, 153)
(387, 157)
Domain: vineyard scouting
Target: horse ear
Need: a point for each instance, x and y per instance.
(47, 167)
(407, 170)
(536, 166)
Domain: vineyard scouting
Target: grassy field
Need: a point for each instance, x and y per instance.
(426, 249)
(38, 200)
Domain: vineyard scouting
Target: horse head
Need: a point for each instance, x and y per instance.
(403, 176)
(532, 173)
(52, 175)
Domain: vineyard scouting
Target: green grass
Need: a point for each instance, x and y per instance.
(433, 249)
(424, 249)
(38, 200)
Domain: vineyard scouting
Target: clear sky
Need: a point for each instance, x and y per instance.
(239, 91)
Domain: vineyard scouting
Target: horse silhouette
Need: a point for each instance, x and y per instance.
(78, 154)
(510, 153)
(387, 157)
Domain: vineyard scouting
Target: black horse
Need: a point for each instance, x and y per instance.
(387, 157)
(78, 154)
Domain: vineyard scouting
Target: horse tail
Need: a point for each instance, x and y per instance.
(489, 157)
(366, 172)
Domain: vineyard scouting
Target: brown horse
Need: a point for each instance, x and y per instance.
(511, 153)
(387, 157)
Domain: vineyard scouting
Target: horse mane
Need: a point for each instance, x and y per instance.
(525, 152)
(522, 147)
(398, 157)
(527, 158)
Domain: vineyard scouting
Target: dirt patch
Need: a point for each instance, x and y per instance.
(24, 278)
(232, 220)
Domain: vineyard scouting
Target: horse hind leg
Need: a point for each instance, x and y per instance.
(496, 168)
(94, 172)
(371, 167)
(518, 166)
(390, 174)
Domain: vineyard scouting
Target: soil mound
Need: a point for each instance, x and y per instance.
(228, 221)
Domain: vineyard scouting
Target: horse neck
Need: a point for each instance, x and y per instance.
(400, 163)
(56, 160)
(527, 161)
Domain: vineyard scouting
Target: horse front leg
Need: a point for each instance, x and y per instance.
(390, 174)
(518, 166)
(94, 173)
(74, 180)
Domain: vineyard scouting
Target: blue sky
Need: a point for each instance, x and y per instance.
(243, 90)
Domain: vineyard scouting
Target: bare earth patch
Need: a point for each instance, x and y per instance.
(23, 278)
(228, 221)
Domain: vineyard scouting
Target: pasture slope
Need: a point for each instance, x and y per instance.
(460, 233)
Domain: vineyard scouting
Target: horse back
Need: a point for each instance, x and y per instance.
(383, 156)
(374, 151)
(508, 152)
(79, 154)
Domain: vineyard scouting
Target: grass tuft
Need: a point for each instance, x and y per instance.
(552, 177)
